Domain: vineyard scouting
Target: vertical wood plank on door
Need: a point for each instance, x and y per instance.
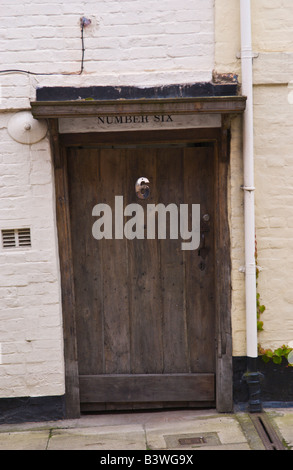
(199, 282)
(84, 183)
(144, 267)
(115, 269)
(67, 281)
(170, 180)
(223, 272)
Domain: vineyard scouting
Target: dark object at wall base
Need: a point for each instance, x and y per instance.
(275, 380)
(31, 409)
(253, 378)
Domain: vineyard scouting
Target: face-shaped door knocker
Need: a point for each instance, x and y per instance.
(141, 188)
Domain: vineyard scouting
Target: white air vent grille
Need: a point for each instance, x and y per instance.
(16, 238)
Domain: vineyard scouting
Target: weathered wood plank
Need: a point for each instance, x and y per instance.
(170, 180)
(87, 261)
(143, 137)
(115, 297)
(145, 308)
(67, 287)
(199, 280)
(147, 388)
(223, 105)
(223, 275)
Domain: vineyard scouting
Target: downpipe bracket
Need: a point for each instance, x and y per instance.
(247, 188)
(247, 55)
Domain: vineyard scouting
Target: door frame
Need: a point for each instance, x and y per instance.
(220, 137)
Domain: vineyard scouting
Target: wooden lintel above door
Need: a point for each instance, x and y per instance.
(85, 108)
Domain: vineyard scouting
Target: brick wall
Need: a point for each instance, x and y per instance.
(127, 43)
(31, 325)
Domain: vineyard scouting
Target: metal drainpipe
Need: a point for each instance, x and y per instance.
(252, 375)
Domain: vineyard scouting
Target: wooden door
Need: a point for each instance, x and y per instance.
(145, 314)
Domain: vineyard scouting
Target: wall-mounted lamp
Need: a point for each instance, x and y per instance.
(23, 128)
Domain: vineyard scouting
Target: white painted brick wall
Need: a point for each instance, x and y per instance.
(274, 211)
(273, 118)
(272, 32)
(128, 43)
(31, 320)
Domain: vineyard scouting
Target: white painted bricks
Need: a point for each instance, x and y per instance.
(127, 43)
(272, 30)
(31, 323)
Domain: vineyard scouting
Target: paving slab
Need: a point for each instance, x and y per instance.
(94, 438)
(253, 439)
(26, 440)
(282, 420)
(197, 433)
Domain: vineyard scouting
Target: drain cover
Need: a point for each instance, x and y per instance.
(192, 440)
(266, 432)
(188, 441)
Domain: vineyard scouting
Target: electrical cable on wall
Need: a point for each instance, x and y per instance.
(83, 23)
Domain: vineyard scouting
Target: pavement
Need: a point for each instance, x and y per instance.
(178, 432)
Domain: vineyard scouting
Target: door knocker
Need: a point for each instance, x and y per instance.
(142, 190)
